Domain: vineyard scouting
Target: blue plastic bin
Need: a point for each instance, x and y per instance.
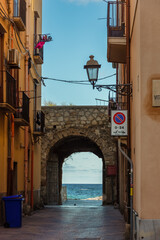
(13, 211)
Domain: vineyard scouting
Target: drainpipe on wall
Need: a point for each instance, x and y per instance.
(26, 165)
(12, 116)
(10, 154)
(128, 96)
(10, 119)
(117, 81)
(128, 68)
(131, 187)
(12, 141)
(9, 24)
(26, 138)
(9, 172)
(32, 161)
(26, 146)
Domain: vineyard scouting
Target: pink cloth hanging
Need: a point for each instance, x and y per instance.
(39, 45)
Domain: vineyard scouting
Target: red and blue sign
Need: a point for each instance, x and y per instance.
(119, 125)
(119, 118)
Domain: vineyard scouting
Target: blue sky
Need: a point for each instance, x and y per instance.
(77, 33)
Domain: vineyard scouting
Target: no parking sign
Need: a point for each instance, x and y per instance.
(119, 123)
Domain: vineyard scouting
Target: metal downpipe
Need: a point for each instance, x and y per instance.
(32, 166)
(131, 187)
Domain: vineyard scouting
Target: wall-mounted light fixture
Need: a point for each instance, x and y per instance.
(92, 68)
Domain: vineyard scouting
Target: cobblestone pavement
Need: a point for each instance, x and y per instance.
(69, 223)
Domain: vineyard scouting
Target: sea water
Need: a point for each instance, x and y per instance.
(83, 191)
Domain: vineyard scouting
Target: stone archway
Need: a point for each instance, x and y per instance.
(75, 129)
(66, 142)
(61, 150)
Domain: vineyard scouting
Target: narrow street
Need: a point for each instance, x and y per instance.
(69, 223)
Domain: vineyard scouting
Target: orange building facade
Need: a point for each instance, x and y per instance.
(21, 119)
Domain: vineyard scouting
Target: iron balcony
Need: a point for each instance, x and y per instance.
(7, 92)
(19, 14)
(116, 30)
(22, 110)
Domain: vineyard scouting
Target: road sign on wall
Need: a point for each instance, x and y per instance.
(119, 123)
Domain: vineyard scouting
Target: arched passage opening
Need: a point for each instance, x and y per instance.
(82, 180)
(74, 129)
(58, 153)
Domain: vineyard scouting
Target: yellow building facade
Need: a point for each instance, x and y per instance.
(133, 47)
(21, 119)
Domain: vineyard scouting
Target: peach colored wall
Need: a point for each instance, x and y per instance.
(135, 78)
(150, 49)
(145, 59)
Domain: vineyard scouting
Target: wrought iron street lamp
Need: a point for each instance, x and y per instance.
(92, 68)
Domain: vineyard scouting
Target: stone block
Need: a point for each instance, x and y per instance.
(148, 229)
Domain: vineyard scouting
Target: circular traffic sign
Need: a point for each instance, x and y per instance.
(119, 118)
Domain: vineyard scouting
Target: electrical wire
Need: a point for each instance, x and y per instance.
(76, 81)
(33, 79)
(82, 82)
(26, 50)
(23, 53)
(3, 10)
(67, 81)
(29, 56)
(107, 76)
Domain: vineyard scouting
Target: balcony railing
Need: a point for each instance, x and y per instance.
(116, 31)
(38, 53)
(115, 20)
(10, 90)
(45, 37)
(19, 14)
(22, 113)
(115, 103)
(7, 92)
(39, 123)
(101, 102)
(112, 105)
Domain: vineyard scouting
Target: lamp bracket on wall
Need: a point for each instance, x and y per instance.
(120, 89)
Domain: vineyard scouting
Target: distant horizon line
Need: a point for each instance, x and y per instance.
(82, 183)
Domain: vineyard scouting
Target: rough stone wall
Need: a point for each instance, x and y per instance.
(75, 116)
(88, 121)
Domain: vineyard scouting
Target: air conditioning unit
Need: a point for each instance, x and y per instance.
(13, 58)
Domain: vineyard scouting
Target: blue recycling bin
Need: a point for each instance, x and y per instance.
(13, 211)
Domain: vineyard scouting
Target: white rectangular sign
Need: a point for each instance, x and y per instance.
(156, 92)
(119, 126)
